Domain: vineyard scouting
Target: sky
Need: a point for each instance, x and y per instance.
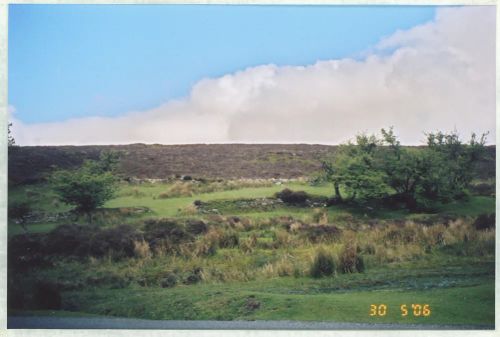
(173, 74)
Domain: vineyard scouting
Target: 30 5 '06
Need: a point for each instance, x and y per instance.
(416, 310)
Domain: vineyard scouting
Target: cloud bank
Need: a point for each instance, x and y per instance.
(436, 76)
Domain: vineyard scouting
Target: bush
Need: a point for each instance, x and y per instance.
(323, 264)
(196, 227)
(26, 251)
(292, 198)
(485, 221)
(321, 233)
(165, 232)
(69, 240)
(120, 241)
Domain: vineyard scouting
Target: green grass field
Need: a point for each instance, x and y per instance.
(266, 274)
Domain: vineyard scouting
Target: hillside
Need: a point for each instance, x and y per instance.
(30, 163)
(230, 161)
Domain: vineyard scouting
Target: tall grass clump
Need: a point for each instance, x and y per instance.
(323, 264)
(350, 261)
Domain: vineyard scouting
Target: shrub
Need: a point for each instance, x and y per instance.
(350, 261)
(165, 233)
(485, 221)
(321, 233)
(67, 240)
(119, 241)
(323, 264)
(163, 195)
(26, 251)
(360, 264)
(196, 227)
(293, 198)
(169, 280)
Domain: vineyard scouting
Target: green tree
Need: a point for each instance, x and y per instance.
(355, 170)
(375, 167)
(88, 187)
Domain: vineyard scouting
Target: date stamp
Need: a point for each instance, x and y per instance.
(415, 310)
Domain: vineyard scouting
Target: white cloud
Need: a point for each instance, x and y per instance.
(437, 76)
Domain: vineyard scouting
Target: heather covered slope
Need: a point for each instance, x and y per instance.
(227, 161)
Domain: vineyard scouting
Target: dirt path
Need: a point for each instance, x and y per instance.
(43, 322)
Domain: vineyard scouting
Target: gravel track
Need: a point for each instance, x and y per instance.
(46, 322)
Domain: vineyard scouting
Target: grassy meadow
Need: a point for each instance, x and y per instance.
(231, 250)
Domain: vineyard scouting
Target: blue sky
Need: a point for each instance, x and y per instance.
(72, 61)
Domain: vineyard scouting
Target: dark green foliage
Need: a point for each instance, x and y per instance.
(485, 221)
(323, 265)
(375, 168)
(46, 295)
(355, 171)
(292, 198)
(88, 187)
